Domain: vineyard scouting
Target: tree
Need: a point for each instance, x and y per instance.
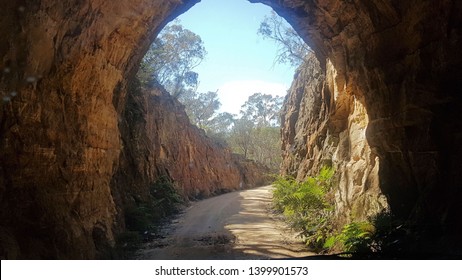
(201, 107)
(171, 59)
(241, 137)
(222, 123)
(262, 109)
(266, 147)
(292, 49)
(256, 134)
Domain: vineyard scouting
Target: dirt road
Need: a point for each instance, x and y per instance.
(238, 225)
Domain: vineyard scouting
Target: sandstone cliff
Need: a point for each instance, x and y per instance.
(392, 74)
(159, 140)
(322, 128)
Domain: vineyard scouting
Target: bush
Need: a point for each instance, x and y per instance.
(164, 197)
(163, 201)
(382, 234)
(357, 237)
(142, 220)
(306, 206)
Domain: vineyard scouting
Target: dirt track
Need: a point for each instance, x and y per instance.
(236, 225)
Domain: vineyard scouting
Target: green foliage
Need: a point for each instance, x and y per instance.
(165, 198)
(266, 146)
(357, 236)
(241, 137)
(380, 234)
(140, 218)
(306, 205)
(202, 109)
(292, 48)
(390, 235)
(171, 58)
(308, 209)
(143, 219)
(220, 126)
(262, 109)
(256, 134)
(145, 216)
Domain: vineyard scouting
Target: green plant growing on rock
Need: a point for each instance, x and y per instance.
(391, 235)
(143, 219)
(140, 218)
(164, 196)
(381, 234)
(307, 206)
(357, 237)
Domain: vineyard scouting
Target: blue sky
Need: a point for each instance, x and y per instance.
(239, 62)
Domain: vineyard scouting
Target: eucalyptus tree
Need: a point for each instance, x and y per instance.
(171, 59)
(292, 48)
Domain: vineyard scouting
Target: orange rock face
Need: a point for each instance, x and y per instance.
(158, 140)
(322, 126)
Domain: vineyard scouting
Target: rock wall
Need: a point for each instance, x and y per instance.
(63, 72)
(393, 71)
(159, 140)
(321, 127)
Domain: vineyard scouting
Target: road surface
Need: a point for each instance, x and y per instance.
(238, 225)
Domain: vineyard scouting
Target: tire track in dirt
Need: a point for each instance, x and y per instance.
(237, 225)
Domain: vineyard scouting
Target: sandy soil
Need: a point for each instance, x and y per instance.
(238, 225)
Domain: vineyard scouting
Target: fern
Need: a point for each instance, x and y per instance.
(305, 205)
(357, 236)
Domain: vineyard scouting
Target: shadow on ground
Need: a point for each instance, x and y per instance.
(238, 225)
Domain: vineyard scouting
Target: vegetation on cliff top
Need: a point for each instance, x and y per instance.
(171, 60)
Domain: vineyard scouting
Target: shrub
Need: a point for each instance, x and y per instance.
(140, 218)
(143, 219)
(163, 201)
(306, 205)
(382, 234)
(357, 237)
(164, 197)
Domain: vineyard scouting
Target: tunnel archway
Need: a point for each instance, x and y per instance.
(69, 63)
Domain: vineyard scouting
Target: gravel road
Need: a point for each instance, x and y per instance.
(237, 225)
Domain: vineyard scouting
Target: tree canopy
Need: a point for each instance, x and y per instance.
(201, 107)
(292, 48)
(262, 109)
(171, 59)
